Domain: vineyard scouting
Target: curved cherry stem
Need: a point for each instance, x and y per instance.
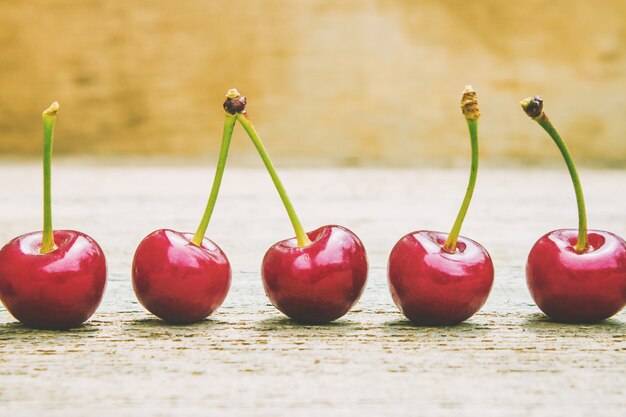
(236, 105)
(49, 117)
(301, 236)
(533, 106)
(229, 125)
(469, 106)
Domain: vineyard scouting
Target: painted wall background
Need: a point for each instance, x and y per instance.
(328, 82)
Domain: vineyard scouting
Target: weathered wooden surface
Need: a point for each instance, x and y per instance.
(249, 360)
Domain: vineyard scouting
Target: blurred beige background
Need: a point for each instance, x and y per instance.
(328, 82)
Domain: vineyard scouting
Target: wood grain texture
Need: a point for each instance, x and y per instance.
(247, 359)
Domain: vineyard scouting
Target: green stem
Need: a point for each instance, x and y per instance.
(49, 117)
(301, 236)
(582, 243)
(229, 125)
(453, 237)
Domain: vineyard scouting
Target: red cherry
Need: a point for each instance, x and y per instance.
(319, 282)
(56, 290)
(571, 286)
(314, 277)
(438, 278)
(434, 287)
(575, 275)
(184, 277)
(48, 279)
(177, 280)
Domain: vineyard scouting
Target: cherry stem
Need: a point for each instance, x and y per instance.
(229, 125)
(49, 117)
(301, 236)
(469, 106)
(533, 106)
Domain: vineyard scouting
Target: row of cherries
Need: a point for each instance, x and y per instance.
(56, 279)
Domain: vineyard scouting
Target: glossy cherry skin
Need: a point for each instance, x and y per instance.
(577, 287)
(317, 283)
(433, 287)
(57, 290)
(178, 281)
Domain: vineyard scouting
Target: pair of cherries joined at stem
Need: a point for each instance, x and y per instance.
(315, 277)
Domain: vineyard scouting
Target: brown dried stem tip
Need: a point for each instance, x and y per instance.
(533, 106)
(469, 104)
(235, 102)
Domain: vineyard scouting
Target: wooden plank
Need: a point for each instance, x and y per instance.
(249, 360)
